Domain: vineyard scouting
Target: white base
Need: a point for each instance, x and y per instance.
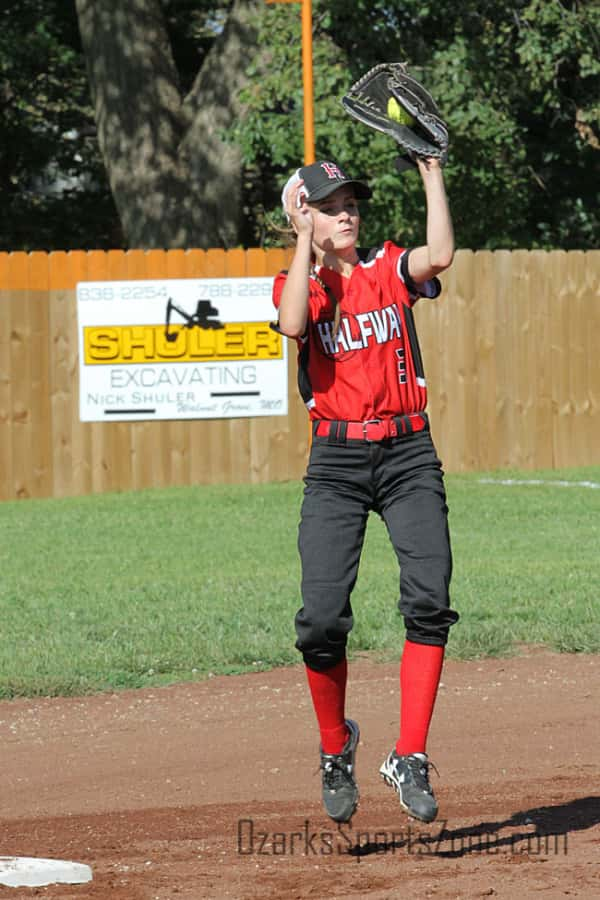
(24, 871)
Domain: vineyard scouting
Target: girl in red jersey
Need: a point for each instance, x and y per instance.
(361, 376)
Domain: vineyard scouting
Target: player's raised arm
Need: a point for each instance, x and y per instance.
(437, 255)
(293, 307)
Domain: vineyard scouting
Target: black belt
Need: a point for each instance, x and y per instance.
(338, 431)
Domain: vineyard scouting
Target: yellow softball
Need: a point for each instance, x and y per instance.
(398, 114)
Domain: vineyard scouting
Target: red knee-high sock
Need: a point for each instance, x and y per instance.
(420, 672)
(328, 691)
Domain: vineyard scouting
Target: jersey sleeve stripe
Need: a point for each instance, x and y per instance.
(430, 289)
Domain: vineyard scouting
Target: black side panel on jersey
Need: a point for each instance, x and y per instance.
(275, 325)
(304, 385)
(413, 340)
(366, 256)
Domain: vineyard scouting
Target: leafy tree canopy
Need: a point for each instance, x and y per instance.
(54, 186)
(51, 176)
(518, 81)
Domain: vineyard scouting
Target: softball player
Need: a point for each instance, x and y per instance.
(361, 377)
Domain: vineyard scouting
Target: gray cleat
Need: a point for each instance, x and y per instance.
(409, 776)
(340, 792)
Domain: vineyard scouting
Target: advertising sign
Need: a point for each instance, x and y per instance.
(179, 349)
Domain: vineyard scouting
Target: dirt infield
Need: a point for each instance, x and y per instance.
(210, 790)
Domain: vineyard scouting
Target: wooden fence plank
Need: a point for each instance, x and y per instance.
(505, 365)
(524, 346)
(214, 263)
(276, 260)
(6, 472)
(63, 358)
(116, 265)
(591, 315)
(235, 263)
(81, 447)
(459, 352)
(21, 364)
(431, 319)
(175, 264)
(561, 372)
(194, 263)
(540, 362)
(156, 264)
(578, 306)
(41, 420)
(485, 400)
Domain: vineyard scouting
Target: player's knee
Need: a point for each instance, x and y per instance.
(322, 636)
(320, 648)
(432, 628)
(322, 659)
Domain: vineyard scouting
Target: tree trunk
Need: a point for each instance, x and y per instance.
(175, 182)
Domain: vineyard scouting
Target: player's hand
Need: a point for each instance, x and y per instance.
(298, 210)
(428, 164)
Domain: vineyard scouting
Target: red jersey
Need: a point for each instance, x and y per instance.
(372, 367)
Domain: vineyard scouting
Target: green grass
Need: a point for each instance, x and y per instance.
(127, 590)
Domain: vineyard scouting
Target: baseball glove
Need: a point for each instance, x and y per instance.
(389, 99)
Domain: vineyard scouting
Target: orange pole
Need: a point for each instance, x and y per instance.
(307, 76)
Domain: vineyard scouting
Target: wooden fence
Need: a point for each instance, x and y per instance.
(510, 354)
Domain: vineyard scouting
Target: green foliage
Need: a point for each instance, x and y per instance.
(55, 193)
(47, 134)
(558, 52)
(517, 81)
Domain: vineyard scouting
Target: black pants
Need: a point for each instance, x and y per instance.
(400, 479)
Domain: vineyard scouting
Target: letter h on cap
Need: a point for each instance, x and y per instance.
(333, 171)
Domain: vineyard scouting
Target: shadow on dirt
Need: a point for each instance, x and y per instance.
(541, 831)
